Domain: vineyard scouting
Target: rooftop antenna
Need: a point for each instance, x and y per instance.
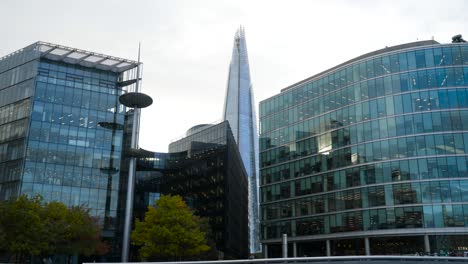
(139, 50)
(137, 86)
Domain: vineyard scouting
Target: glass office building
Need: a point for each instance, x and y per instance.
(206, 169)
(61, 127)
(239, 110)
(370, 156)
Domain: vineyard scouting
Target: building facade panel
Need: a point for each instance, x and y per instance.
(17, 73)
(376, 144)
(206, 169)
(52, 100)
(69, 156)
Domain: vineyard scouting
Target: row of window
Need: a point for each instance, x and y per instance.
(10, 171)
(385, 172)
(18, 74)
(12, 150)
(385, 106)
(391, 127)
(72, 155)
(15, 111)
(68, 175)
(395, 84)
(17, 92)
(77, 97)
(73, 116)
(371, 68)
(376, 196)
(13, 130)
(75, 84)
(367, 111)
(99, 138)
(17, 58)
(404, 147)
(455, 215)
(74, 71)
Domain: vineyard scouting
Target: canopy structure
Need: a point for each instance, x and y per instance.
(139, 100)
(84, 58)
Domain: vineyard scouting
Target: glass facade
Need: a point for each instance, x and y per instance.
(70, 158)
(376, 144)
(206, 169)
(239, 110)
(17, 72)
(51, 142)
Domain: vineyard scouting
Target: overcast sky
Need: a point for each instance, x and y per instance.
(186, 45)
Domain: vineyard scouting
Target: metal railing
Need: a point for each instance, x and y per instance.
(341, 259)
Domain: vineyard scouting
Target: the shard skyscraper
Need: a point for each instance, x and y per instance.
(239, 110)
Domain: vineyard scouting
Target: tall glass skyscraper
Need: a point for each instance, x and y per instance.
(61, 127)
(370, 156)
(239, 110)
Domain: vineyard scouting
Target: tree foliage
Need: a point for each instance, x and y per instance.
(83, 234)
(30, 227)
(72, 231)
(23, 228)
(169, 230)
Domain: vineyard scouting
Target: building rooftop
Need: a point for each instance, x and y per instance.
(77, 56)
(367, 55)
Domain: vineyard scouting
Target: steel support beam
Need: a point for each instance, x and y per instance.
(285, 245)
(367, 246)
(427, 245)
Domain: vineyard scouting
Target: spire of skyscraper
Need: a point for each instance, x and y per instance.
(239, 110)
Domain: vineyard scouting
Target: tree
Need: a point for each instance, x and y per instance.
(22, 227)
(2, 228)
(83, 234)
(30, 227)
(72, 231)
(169, 230)
(54, 216)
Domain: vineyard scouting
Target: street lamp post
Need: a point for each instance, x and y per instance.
(135, 100)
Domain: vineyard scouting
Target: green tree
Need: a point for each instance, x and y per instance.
(54, 216)
(2, 228)
(23, 228)
(82, 234)
(169, 230)
(30, 227)
(72, 231)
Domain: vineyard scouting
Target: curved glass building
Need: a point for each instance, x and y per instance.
(369, 157)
